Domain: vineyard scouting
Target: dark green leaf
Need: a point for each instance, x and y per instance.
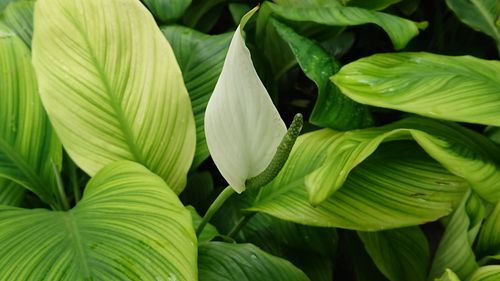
(19, 17)
(167, 10)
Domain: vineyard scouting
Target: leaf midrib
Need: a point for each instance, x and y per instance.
(126, 130)
(73, 233)
(491, 22)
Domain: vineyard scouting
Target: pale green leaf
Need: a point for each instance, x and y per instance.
(19, 17)
(332, 109)
(4, 3)
(27, 144)
(448, 276)
(397, 186)
(400, 30)
(128, 226)
(401, 254)
(219, 261)
(243, 128)
(486, 273)
(478, 14)
(11, 193)
(167, 10)
(455, 248)
(489, 237)
(200, 58)
(112, 87)
(462, 88)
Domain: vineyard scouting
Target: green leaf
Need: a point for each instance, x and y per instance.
(371, 4)
(455, 249)
(401, 254)
(167, 10)
(400, 30)
(448, 276)
(27, 144)
(200, 58)
(19, 17)
(486, 273)
(478, 14)
(432, 85)
(120, 100)
(332, 109)
(128, 226)
(11, 193)
(202, 15)
(243, 262)
(493, 133)
(397, 186)
(209, 231)
(4, 3)
(489, 237)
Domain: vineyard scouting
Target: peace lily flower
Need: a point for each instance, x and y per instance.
(243, 129)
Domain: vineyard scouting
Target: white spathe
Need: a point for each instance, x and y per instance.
(242, 127)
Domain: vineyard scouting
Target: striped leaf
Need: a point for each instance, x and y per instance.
(400, 30)
(11, 193)
(19, 17)
(243, 262)
(455, 248)
(28, 146)
(128, 226)
(112, 87)
(448, 276)
(488, 245)
(397, 186)
(401, 254)
(462, 89)
(486, 273)
(200, 57)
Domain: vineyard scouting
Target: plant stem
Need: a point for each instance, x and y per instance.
(219, 201)
(63, 200)
(243, 221)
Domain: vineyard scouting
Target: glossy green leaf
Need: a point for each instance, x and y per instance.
(242, 127)
(243, 262)
(455, 248)
(112, 87)
(408, 189)
(400, 30)
(200, 58)
(478, 14)
(19, 17)
(28, 146)
(432, 85)
(202, 15)
(11, 193)
(370, 4)
(401, 254)
(128, 226)
(332, 109)
(486, 273)
(167, 10)
(448, 276)
(489, 237)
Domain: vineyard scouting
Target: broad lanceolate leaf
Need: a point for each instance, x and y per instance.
(448, 276)
(401, 254)
(400, 30)
(455, 249)
(200, 57)
(397, 186)
(453, 88)
(167, 10)
(332, 109)
(28, 146)
(478, 14)
(486, 273)
(242, 126)
(112, 87)
(19, 17)
(243, 262)
(489, 237)
(128, 226)
(11, 193)
(370, 4)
